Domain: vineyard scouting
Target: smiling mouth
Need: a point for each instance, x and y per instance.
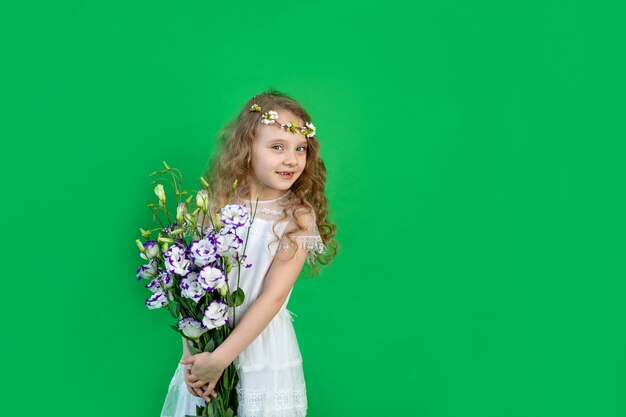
(285, 174)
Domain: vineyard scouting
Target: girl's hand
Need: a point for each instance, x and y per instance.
(206, 368)
(196, 392)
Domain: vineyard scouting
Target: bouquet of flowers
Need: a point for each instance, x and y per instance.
(187, 268)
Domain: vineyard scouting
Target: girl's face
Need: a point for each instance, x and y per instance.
(278, 158)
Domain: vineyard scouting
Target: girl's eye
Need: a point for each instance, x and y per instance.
(300, 148)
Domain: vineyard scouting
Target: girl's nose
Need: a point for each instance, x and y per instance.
(290, 159)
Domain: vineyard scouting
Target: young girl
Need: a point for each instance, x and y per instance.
(273, 153)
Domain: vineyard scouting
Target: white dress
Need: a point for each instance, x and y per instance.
(271, 379)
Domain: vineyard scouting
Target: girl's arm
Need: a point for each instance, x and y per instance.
(281, 276)
(279, 281)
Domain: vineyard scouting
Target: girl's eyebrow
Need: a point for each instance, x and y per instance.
(283, 140)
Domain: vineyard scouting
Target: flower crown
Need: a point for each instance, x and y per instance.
(271, 117)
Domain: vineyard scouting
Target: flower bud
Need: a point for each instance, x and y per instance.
(223, 290)
(204, 183)
(181, 210)
(235, 185)
(160, 192)
(202, 200)
(166, 166)
(140, 246)
(218, 222)
(162, 239)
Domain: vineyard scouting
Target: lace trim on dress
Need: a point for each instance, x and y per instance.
(292, 402)
(314, 245)
(270, 212)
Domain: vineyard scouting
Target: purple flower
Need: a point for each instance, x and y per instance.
(152, 250)
(191, 328)
(215, 314)
(203, 251)
(147, 271)
(190, 287)
(157, 300)
(176, 260)
(234, 216)
(229, 243)
(154, 286)
(211, 278)
(166, 279)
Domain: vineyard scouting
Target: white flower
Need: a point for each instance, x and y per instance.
(203, 252)
(147, 271)
(154, 286)
(191, 328)
(234, 216)
(215, 314)
(176, 260)
(165, 278)
(229, 243)
(308, 130)
(157, 300)
(211, 278)
(152, 250)
(269, 118)
(190, 287)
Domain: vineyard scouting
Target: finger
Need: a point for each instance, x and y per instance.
(193, 393)
(210, 390)
(213, 393)
(211, 387)
(199, 392)
(207, 397)
(199, 383)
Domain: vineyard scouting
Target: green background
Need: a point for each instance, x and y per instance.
(475, 155)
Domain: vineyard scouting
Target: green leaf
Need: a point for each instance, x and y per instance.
(210, 409)
(218, 338)
(172, 312)
(210, 347)
(238, 296)
(192, 349)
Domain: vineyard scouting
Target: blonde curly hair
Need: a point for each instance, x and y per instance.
(233, 163)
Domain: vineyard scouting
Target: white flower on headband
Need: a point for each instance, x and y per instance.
(309, 130)
(269, 118)
(290, 127)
